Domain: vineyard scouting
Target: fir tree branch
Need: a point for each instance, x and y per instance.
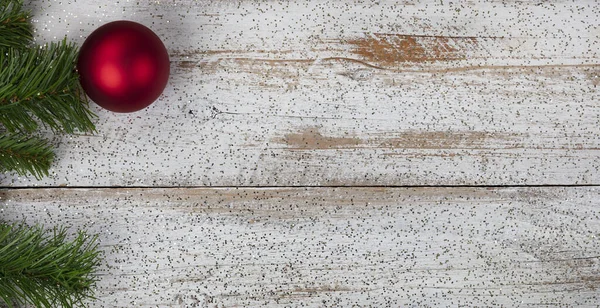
(44, 269)
(42, 83)
(25, 155)
(15, 29)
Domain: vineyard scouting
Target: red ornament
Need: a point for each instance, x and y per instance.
(123, 66)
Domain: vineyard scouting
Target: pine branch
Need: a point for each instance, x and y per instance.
(25, 155)
(44, 269)
(42, 83)
(15, 29)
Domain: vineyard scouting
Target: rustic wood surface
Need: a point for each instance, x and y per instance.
(340, 153)
(333, 247)
(268, 93)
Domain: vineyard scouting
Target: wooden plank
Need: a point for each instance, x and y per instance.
(347, 93)
(332, 247)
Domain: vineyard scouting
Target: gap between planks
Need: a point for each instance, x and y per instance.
(298, 186)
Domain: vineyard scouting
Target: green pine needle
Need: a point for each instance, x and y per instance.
(15, 29)
(25, 155)
(44, 269)
(42, 84)
(38, 267)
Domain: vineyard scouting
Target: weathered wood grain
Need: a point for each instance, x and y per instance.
(332, 247)
(347, 93)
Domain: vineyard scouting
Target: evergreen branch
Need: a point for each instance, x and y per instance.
(15, 29)
(25, 155)
(42, 84)
(44, 269)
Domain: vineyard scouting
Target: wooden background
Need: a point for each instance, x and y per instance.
(340, 153)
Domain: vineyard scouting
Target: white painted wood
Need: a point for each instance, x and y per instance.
(347, 93)
(332, 247)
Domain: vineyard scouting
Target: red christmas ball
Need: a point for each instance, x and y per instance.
(123, 66)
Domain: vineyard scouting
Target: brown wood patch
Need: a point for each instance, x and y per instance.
(311, 138)
(440, 139)
(390, 49)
